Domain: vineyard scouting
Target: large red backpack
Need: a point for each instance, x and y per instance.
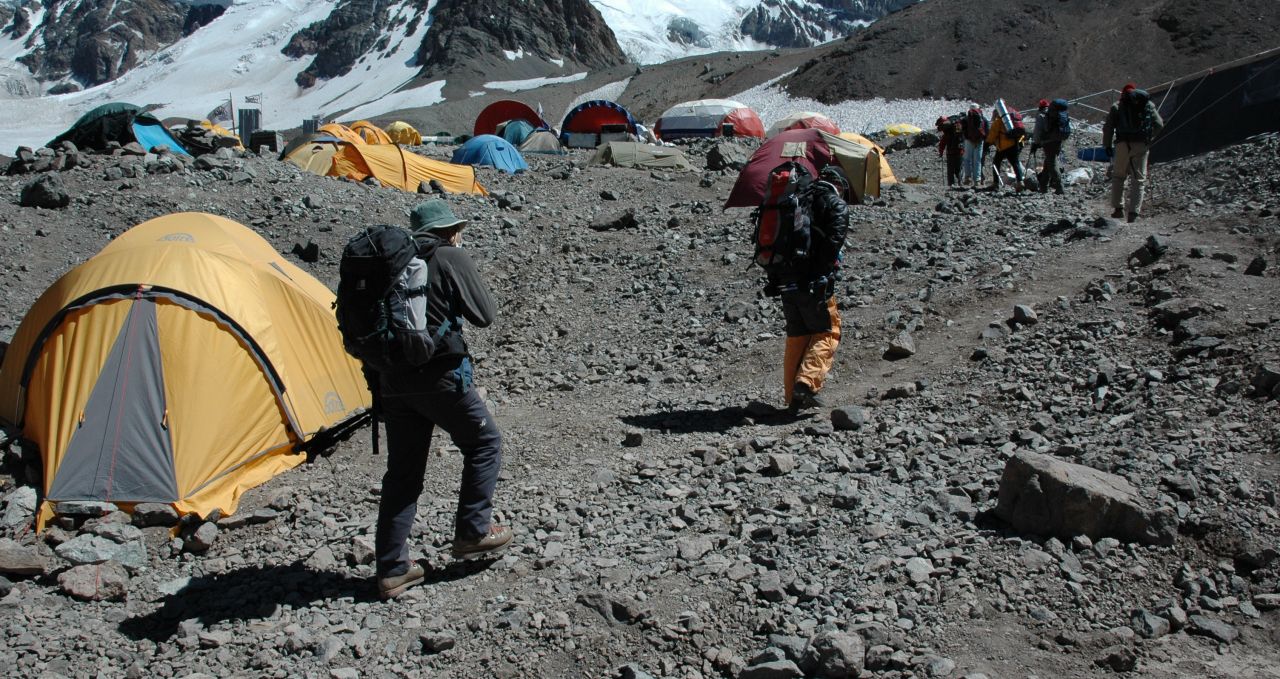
(782, 235)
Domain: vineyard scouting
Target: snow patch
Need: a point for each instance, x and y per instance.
(558, 62)
(512, 56)
(863, 116)
(531, 83)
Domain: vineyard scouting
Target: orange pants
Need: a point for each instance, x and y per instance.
(809, 358)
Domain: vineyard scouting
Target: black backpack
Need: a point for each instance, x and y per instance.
(1059, 120)
(1134, 120)
(382, 300)
(782, 232)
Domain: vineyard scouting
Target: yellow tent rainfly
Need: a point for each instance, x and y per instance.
(184, 363)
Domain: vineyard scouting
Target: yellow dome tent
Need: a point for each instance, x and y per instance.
(401, 132)
(370, 133)
(341, 132)
(313, 155)
(394, 166)
(901, 130)
(886, 172)
(183, 364)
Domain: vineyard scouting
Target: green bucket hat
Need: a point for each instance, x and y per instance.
(431, 215)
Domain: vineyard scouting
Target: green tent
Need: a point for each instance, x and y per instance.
(640, 156)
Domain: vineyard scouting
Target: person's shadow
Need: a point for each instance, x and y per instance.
(256, 593)
(711, 420)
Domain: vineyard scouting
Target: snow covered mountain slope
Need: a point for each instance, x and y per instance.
(654, 31)
(237, 55)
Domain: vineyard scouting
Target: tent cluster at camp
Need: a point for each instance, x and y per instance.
(100, 375)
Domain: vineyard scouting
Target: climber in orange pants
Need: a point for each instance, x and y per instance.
(813, 333)
(807, 287)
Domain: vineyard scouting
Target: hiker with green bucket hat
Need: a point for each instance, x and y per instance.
(439, 394)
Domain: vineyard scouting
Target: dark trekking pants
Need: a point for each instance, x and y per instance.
(1010, 154)
(413, 405)
(954, 166)
(1051, 175)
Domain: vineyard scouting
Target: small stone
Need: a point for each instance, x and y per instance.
(309, 253)
(693, 549)
(1025, 315)
(940, 667)
(919, 569)
(633, 439)
(775, 669)
(834, 655)
(1215, 629)
(19, 559)
(107, 581)
(781, 464)
(1147, 624)
(1256, 267)
(202, 538)
(150, 514)
(902, 346)
(19, 506)
(312, 201)
(849, 418)
(438, 641)
(900, 391)
(1118, 658)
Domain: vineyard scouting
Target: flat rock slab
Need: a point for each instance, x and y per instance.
(18, 559)
(1043, 495)
(98, 582)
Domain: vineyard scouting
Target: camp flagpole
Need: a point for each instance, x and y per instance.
(231, 101)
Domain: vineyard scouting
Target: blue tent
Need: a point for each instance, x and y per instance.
(150, 134)
(488, 149)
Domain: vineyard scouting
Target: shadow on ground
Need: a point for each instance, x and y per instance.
(712, 420)
(256, 593)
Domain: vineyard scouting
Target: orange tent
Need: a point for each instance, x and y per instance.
(341, 132)
(405, 170)
(370, 133)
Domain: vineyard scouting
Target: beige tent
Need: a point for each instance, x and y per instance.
(640, 156)
(542, 141)
(886, 172)
(401, 132)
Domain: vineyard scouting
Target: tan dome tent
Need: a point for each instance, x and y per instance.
(340, 131)
(370, 133)
(401, 132)
(183, 364)
(640, 156)
(886, 172)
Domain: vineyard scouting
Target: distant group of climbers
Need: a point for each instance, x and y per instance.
(1131, 125)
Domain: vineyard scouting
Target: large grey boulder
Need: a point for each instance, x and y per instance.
(725, 156)
(834, 655)
(46, 192)
(107, 581)
(1043, 495)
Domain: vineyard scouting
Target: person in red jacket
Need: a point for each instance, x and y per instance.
(951, 144)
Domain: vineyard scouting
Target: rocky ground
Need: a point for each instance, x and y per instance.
(671, 521)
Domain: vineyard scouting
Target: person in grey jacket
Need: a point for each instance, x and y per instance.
(1131, 125)
(439, 394)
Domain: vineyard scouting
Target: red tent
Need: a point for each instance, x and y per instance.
(813, 149)
(500, 112)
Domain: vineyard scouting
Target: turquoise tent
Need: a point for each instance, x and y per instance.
(121, 123)
(515, 131)
(488, 149)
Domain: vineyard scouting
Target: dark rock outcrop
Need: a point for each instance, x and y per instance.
(354, 29)
(785, 23)
(97, 41)
(465, 34)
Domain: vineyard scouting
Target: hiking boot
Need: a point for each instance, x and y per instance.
(481, 546)
(804, 398)
(1133, 217)
(1117, 213)
(393, 586)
